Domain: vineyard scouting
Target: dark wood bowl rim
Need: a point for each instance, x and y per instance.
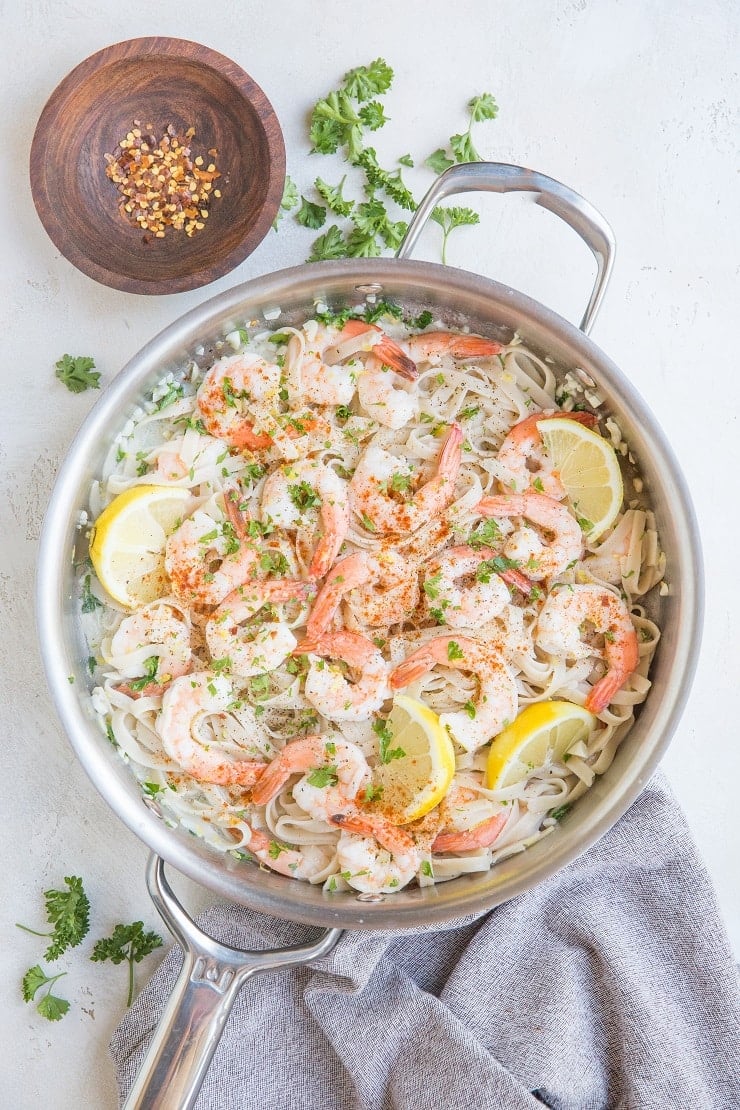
(192, 52)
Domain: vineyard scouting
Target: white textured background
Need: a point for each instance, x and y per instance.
(632, 104)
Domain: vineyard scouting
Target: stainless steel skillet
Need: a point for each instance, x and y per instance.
(212, 974)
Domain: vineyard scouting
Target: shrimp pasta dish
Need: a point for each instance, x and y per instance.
(365, 603)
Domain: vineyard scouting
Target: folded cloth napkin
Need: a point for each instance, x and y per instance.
(610, 985)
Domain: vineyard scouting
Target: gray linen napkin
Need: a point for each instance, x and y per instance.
(611, 985)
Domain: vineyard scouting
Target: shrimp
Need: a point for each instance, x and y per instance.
(542, 560)
(346, 765)
(468, 840)
(483, 598)
(380, 478)
(152, 643)
(314, 360)
(235, 391)
(256, 649)
(296, 487)
(375, 856)
(190, 737)
(305, 862)
(203, 562)
(329, 691)
(560, 625)
(381, 589)
(522, 454)
(466, 821)
(382, 396)
(496, 703)
(430, 346)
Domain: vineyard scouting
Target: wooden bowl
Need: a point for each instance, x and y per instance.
(159, 81)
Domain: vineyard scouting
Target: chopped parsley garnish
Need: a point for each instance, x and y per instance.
(560, 812)
(423, 320)
(585, 524)
(431, 585)
(303, 496)
(89, 601)
(323, 776)
(385, 738)
(400, 483)
(372, 793)
(487, 534)
(367, 522)
(151, 666)
(426, 868)
(78, 373)
(469, 412)
(537, 484)
(499, 563)
(454, 651)
(469, 708)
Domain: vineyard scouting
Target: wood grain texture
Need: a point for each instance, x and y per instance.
(159, 81)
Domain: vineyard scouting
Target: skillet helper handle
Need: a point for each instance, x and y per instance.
(211, 976)
(498, 177)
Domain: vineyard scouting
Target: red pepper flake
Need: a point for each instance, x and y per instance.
(160, 183)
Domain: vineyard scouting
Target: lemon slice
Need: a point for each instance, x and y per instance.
(416, 781)
(587, 466)
(542, 733)
(128, 538)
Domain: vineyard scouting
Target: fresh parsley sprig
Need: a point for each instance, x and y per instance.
(340, 123)
(69, 912)
(78, 373)
(50, 1006)
(127, 942)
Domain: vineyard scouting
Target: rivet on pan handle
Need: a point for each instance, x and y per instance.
(211, 976)
(498, 177)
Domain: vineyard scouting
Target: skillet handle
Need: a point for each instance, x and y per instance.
(498, 177)
(211, 976)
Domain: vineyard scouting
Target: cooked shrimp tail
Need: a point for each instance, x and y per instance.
(481, 836)
(431, 344)
(394, 839)
(386, 349)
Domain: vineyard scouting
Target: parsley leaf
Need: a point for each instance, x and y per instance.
(323, 776)
(487, 534)
(289, 200)
(406, 160)
(485, 571)
(50, 1006)
(423, 320)
(151, 665)
(373, 116)
(426, 868)
(431, 585)
(439, 162)
(390, 182)
(454, 651)
(385, 736)
(77, 373)
(451, 217)
(365, 82)
(483, 107)
(329, 245)
(372, 793)
(332, 194)
(127, 942)
(69, 912)
(469, 708)
(89, 601)
(303, 496)
(311, 215)
(560, 812)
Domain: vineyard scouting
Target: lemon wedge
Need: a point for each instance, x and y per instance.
(542, 733)
(587, 465)
(417, 779)
(128, 539)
